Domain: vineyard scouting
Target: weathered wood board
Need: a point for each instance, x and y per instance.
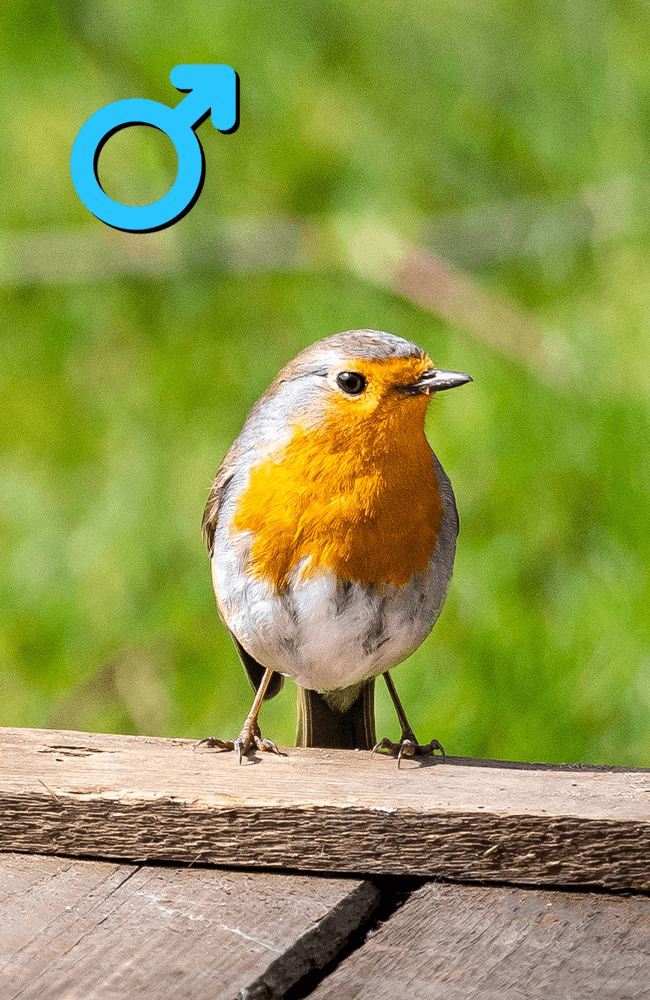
(74, 929)
(455, 942)
(141, 799)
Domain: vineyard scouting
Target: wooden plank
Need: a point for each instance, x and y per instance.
(93, 930)
(140, 798)
(454, 942)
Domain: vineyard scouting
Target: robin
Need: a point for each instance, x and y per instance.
(331, 528)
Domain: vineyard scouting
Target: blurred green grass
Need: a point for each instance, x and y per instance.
(121, 394)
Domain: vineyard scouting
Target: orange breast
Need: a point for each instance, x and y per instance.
(358, 497)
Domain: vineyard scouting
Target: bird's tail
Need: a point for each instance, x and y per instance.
(321, 725)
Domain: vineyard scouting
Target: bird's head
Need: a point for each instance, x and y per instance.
(359, 378)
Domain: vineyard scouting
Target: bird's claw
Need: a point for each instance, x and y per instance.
(257, 743)
(249, 739)
(408, 746)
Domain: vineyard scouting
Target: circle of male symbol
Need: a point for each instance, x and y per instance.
(211, 90)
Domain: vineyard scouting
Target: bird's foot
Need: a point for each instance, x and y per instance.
(249, 739)
(408, 746)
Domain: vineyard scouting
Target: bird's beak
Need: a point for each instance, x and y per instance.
(434, 381)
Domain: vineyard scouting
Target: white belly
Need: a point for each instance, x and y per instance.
(324, 634)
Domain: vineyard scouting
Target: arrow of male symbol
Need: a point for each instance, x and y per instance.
(211, 90)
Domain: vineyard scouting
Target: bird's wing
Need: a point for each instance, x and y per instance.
(213, 506)
(223, 478)
(255, 672)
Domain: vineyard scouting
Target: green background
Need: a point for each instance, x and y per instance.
(509, 142)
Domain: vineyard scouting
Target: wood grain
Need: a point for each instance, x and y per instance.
(140, 798)
(454, 942)
(92, 930)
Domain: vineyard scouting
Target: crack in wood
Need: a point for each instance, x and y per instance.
(306, 961)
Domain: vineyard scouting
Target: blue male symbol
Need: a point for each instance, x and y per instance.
(211, 90)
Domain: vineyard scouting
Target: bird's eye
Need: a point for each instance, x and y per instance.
(351, 382)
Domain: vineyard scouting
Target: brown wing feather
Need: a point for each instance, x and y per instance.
(254, 670)
(215, 499)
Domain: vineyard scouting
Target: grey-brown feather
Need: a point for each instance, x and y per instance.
(254, 670)
(215, 498)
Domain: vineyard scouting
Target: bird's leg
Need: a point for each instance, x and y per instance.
(408, 746)
(250, 737)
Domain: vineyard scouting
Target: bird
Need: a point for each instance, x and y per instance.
(331, 529)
